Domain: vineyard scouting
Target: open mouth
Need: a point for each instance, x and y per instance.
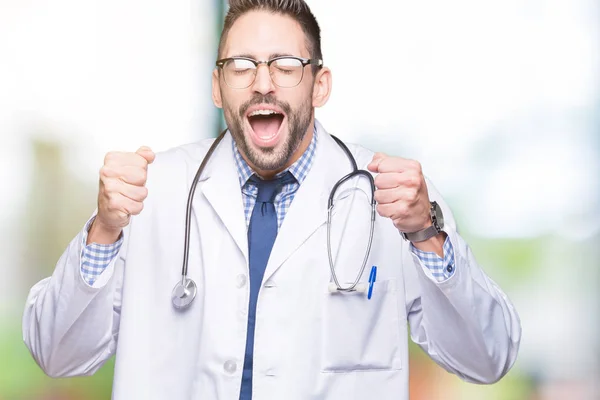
(266, 125)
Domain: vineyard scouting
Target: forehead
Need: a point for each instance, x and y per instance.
(263, 34)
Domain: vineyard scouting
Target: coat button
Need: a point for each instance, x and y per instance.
(240, 280)
(230, 366)
(449, 269)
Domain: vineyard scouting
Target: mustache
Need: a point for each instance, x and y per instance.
(264, 99)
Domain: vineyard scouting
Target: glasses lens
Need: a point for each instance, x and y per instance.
(287, 72)
(239, 74)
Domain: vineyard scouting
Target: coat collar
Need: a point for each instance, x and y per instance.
(220, 186)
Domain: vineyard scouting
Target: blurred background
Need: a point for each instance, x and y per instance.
(499, 101)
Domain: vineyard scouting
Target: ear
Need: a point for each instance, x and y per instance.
(322, 87)
(216, 89)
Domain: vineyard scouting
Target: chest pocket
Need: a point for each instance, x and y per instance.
(360, 334)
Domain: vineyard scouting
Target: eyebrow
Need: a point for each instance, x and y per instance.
(274, 55)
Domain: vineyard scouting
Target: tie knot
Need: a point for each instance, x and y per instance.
(267, 190)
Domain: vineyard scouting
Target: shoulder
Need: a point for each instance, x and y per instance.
(361, 154)
(175, 165)
(190, 153)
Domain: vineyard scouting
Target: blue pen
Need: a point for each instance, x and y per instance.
(372, 279)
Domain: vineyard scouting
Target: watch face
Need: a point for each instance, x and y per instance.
(439, 216)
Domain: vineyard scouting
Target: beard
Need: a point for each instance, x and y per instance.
(269, 158)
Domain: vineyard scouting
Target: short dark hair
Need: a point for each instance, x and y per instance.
(297, 9)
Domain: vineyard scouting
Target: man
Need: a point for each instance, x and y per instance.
(269, 319)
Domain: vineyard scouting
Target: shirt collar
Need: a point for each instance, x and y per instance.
(299, 169)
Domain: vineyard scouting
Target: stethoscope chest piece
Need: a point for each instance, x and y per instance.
(184, 293)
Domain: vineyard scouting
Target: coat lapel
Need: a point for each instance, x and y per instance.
(309, 208)
(221, 188)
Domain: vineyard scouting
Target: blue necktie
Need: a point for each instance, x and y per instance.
(261, 237)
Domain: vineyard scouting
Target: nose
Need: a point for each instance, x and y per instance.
(263, 83)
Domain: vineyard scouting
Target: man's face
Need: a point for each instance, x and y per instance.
(269, 142)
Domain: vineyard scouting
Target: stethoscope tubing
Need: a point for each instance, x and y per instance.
(188, 211)
(185, 291)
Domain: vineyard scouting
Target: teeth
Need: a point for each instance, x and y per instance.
(262, 112)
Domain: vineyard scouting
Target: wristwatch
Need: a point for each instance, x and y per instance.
(437, 224)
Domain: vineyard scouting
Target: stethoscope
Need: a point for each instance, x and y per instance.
(185, 290)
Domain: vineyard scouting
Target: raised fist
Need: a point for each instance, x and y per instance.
(122, 191)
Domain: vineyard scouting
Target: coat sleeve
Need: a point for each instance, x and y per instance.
(70, 327)
(466, 323)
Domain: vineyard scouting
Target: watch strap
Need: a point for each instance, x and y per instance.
(422, 235)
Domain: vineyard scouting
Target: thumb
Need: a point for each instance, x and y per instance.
(374, 164)
(147, 153)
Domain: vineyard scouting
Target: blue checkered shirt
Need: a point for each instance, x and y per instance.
(96, 257)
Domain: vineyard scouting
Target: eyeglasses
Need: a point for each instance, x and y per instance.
(285, 71)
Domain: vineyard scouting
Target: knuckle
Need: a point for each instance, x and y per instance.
(415, 165)
(136, 208)
(112, 202)
(412, 181)
(411, 194)
(402, 210)
(104, 171)
(110, 157)
(110, 186)
(105, 185)
(398, 180)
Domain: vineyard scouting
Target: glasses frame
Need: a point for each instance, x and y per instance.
(304, 61)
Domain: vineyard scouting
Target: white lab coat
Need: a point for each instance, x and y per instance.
(309, 344)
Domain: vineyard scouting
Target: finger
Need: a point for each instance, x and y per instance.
(387, 196)
(146, 153)
(117, 158)
(394, 210)
(113, 188)
(377, 158)
(117, 205)
(398, 164)
(390, 180)
(130, 207)
(133, 192)
(127, 173)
